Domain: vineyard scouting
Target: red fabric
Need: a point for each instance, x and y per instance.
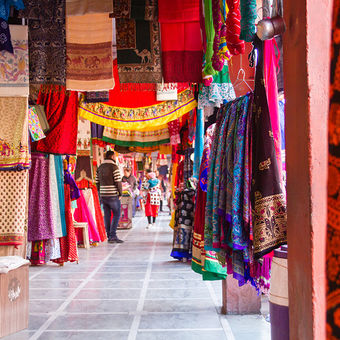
(182, 49)
(137, 97)
(61, 109)
(150, 209)
(233, 24)
(68, 244)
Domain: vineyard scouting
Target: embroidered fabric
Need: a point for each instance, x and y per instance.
(215, 95)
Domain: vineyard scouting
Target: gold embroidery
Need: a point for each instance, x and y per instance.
(265, 164)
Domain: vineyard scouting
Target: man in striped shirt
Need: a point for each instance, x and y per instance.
(109, 186)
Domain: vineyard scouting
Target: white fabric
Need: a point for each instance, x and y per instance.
(8, 263)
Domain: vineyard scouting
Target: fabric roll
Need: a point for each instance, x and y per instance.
(182, 50)
(61, 112)
(14, 149)
(40, 215)
(47, 41)
(82, 7)
(14, 74)
(139, 119)
(13, 201)
(89, 52)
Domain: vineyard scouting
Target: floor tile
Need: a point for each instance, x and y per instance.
(23, 335)
(44, 306)
(47, 283)
(183, 284)
(36, 321)
(120, 276)
(89, 321)
(108, 306)
(51, 293)
(183, 335)
(109, 293)
(114, 284)
(179, 305)
(177, 293)
(86, 335)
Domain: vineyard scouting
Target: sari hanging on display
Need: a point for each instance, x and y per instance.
(61, 113)
(182, 50)
(14, 150)
(268, 198)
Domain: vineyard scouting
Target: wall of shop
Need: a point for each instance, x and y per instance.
(306, 72)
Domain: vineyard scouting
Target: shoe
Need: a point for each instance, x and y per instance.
(116, 240)
(148, 226)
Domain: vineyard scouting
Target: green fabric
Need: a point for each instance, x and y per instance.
(135, 144)
(210, 35)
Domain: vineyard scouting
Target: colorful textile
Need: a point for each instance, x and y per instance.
(14, 75)
(82, 7)
(68, 244)
(220, 91)
(184, 221)
(268, 198)
(34, 125)
(89, 52)
(5, 7)
(248, 17)
(97, 96)
(13, 200)
(61, 112)
(47, 41)
(182, 49)
(174, 127)
(40, 111)
(136, 138)
(333, 230)
(138, 119)
(14, 150)
(40, 216)
(5, 37)
(199, 143)
(83, 214)
(84, 137)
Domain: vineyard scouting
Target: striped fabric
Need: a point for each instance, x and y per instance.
(111, 189)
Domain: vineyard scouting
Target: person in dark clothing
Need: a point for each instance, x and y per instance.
(109, 186)
(131, 179)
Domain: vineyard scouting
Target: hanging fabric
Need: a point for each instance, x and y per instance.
(82, 7)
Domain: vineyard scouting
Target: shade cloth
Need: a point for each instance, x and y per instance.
(14, 75)
(14, 150)
(40, 216)
(81, 7)
(47, 41)
(137, 138)
(61, 112)
(13, 200)
(142, 118)
(182, 49)
(89, 52)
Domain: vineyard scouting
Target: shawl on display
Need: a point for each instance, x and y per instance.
(136, 138)
(182, 49)
(89, 52)
(138, 118)
(5, 7)
(81, 7)
(47, 41)
(333, 222)
(138, 41)
(14, 150)
(14, 75)
(268, 198)
(61, 113)
(84, 137)
(40, 215)
(13, 200)
(199, 143)
(220, 90)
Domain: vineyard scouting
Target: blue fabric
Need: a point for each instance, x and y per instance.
(152, 183)
(282, 123)
(5, 37)
(59, 170)
(111, 204)
(199, 143)
(5, 6)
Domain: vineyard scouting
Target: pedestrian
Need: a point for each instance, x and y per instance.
(153, 197)
(131, 179)
(109, 184)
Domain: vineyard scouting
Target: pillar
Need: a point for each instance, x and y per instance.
(306, 75)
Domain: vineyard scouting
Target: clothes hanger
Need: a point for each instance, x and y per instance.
(240, 80)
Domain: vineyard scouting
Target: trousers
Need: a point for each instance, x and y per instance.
(111, 205)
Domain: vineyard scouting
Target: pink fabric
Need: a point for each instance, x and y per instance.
(271, 62)
(83, 214)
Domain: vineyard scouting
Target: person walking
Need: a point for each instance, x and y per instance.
(131, 179)
(153, 197)
(109, 185)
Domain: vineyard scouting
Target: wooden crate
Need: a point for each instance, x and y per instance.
(14, 301)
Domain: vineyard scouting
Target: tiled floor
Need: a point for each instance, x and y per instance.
(131, 291)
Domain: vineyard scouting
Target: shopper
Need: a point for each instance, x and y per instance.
(109, 186)
(152, 197)
(131, 179)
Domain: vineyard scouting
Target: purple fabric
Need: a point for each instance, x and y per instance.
(40, 220)
(5, 37)
(74, 191)
(97, 131)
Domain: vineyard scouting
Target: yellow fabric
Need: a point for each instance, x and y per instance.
(143, 118)
(165, 149)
